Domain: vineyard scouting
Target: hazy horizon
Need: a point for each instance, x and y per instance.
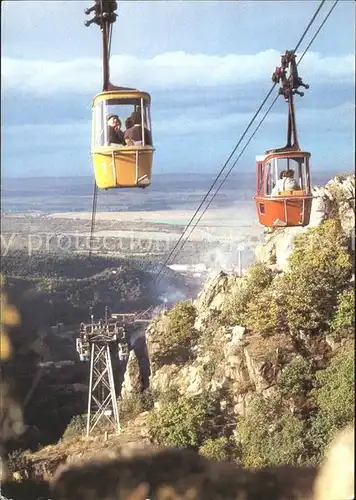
(318, 172)
(180, 191)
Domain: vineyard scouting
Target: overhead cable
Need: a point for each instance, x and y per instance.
(234, 150)
(253, 134)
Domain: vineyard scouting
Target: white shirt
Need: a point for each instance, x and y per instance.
(285, 184)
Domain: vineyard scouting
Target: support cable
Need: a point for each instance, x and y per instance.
(95, 192)
(254, 132)
(173, 251)
(93, 214)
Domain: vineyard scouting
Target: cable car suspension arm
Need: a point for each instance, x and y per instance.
(289, 87)
(104, 16)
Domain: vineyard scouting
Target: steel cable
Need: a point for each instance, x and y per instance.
(254, 132)
(174, 250)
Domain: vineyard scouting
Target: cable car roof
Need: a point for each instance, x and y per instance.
(122, 95)
(285, 153)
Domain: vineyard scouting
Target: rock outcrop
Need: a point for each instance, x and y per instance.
(237, 360)
(232, 361)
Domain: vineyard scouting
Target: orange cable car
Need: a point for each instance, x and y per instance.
(121, 159)
(283, 189)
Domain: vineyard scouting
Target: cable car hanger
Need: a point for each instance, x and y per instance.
(281, 199)
(288, 89)
(105, 16)
(121, 159)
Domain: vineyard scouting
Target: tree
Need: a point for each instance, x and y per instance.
(334, 397)
(269, 434)
(320, 268)
(257, 280)
(342, 324)
(185, 422)
(179, 333)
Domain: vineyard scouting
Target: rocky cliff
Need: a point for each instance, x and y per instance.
(264, 344)
(257, 370)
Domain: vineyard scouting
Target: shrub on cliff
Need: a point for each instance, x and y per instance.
(334, 397)
(134, 404)
(258, 279)
(185, 422)
(306, 296)
(296, 379)
(220, 448)
(269, 434)
(320, 268)
(342, 324)
(263, 313)
(179, 335)
(76, 427)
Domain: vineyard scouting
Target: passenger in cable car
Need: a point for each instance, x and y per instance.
(135, 132)
(286, 182)
(115, 134)
(128, 123)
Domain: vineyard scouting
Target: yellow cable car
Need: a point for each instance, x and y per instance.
(122, 147)
(121, 158)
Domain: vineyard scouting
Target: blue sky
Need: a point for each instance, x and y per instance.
(207, 66)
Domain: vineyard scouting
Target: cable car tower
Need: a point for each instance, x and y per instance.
(99, 343)
(282, 198)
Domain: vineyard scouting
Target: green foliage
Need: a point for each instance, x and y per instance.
(257, 279)
(334, 397)
(76, 427)
(220, 448)
(305, 297)
(134, 404)
(180, 323)
(262, 314)
(63, 287)
(210, 342)
(341, 194)
(296, 379)
(342, 323)
(269, 434)
(185, 422)
(179, 334)
(171, 394)
(320, 268)
(322, 249)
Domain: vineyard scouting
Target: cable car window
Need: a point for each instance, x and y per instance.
(269, 177)
(260, 177)
(305, 181)
(289, 175)
(122, 122)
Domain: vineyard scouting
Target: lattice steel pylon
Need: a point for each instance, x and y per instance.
(99, 343)
(102, 393)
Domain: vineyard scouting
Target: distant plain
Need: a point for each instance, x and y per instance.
(157, 215)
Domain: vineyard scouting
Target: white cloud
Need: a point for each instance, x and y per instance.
(174, 70)
(211, 123)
